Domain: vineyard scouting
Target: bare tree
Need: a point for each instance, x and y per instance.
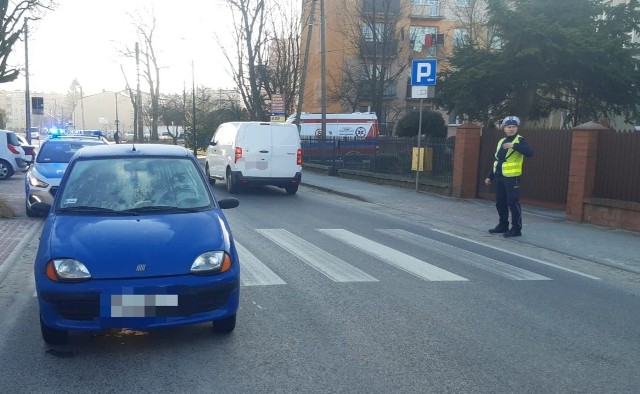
(281, 73)
(13, 15)
(374, 35)
(250, 39)
(150, 68)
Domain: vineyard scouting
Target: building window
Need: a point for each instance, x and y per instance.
(460, 36)
(367, 72)
(368, 33)
(423, 38)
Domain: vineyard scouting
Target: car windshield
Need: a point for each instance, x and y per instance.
(61, 151)
(134, 185)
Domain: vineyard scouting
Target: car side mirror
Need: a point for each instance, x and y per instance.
(227, 203)
(213, 143)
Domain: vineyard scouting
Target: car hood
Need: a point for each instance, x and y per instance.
(137, 246)
(51, 170)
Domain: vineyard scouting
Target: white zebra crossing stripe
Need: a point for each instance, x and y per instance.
(253, 272)
(519, 255)
(476, 260)
(391, 256)
(326, 263)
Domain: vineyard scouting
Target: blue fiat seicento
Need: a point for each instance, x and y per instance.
(135, 239)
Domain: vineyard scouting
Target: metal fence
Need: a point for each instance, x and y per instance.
(545, 175)
(386, 155)
(618, 166)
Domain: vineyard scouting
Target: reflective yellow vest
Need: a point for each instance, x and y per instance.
(513, 160)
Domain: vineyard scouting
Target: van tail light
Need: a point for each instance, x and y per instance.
(299, 157)
(13, 149)
(238, 154)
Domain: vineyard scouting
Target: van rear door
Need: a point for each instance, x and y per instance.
(255, 140)
(285, 142)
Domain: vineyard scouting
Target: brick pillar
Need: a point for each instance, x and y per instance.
(582, 168)
(465, 162)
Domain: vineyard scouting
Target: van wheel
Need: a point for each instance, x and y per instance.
(212, 181)
(291, 189)
(53, 336)
(6, 171)
(231, 185)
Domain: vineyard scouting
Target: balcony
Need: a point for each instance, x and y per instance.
(370, 49)
(381, 7)
(390, 92)
(426, 11)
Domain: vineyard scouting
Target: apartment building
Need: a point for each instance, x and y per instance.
(382, 35)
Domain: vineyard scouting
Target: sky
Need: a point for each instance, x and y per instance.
(81, 39)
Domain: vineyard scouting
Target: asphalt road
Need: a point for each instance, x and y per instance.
(343, 296)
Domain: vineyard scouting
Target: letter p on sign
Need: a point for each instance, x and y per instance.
(423, 72)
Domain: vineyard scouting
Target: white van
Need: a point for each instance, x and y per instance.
(255, 153)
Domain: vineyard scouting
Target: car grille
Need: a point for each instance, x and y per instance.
(191, 301)
(53, 190)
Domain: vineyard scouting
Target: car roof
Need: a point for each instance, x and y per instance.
(72, 137)
(133, 150)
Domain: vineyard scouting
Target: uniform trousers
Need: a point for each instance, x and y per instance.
(508, 199)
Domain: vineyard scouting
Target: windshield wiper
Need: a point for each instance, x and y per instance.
(159, 208)
(87, 209)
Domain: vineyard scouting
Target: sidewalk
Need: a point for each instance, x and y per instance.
(541, 227)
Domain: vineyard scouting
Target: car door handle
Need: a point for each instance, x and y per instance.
(264, 151)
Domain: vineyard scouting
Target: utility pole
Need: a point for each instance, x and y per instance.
(193, 97)
(139, 135)
(27, 100)
(305, 64)
(117, 121)
(82, 107)
(323, 69)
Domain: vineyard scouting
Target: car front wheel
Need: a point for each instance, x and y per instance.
(53, 336)
(225, 325)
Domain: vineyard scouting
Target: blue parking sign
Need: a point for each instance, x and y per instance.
(423, 72)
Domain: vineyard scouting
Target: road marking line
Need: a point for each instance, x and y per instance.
(391, 256)
(519, 255)
(329, 265)
(465, 256)
(254, 272)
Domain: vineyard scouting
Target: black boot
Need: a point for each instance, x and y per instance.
(500, 228)
(514, 232)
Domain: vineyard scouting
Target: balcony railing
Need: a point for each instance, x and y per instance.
(369, 49)
(381, 7)
(389, 92)
(426, 11)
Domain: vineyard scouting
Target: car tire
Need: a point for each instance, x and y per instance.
(6, 171)
(211, 180)
(53, 336)
(29, 211)
(225, 325)
(291, 189)
(232, 187)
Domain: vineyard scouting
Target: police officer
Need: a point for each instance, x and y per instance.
(505, 174)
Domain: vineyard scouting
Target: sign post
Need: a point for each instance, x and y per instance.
(423, 75)
(277, 108)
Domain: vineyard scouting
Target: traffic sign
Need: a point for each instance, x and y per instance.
(423, 72)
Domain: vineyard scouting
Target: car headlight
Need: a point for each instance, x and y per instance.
(67, 270)
(211, 263)
(36, 182)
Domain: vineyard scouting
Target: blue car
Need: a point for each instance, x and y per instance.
(43, 178)
(135, 239)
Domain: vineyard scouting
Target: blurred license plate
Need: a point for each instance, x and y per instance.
(142, 305)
